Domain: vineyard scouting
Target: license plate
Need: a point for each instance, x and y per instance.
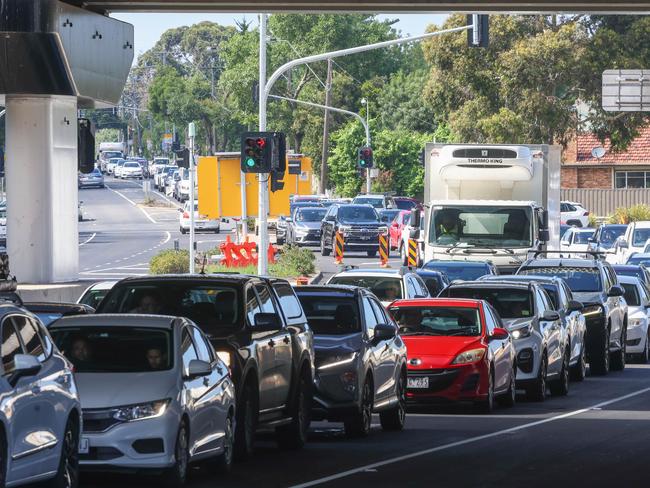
(84, 446)
(418, 382)
(366, 238)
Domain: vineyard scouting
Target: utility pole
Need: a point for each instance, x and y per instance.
(192, 134)
(263, 244)
(326, 130)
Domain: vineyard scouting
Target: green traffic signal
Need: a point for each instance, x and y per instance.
(250, 162)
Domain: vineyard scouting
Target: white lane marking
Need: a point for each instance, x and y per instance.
(169, 236)
(97, 273)
(147, 215)
(89, 239)
(350, 472)
(123, 196)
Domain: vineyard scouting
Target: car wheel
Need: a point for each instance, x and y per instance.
(395, 418)
(176, 475)
(223, 462)
(294, 435)
(246, 424)
(599, 359)
(67, 476)
(536, 391)
(486, 406)
(371, 254)
(279, 241)
(323, 250)
(579, 371)
(358, 424)
(618, 357)
(560, 387)
(510, 397)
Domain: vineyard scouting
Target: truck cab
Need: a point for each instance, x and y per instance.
(491, 203)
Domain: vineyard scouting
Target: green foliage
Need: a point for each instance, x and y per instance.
(635, 213)
(170, 261)
(297, 258)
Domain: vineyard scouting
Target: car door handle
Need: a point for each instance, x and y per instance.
(271, 343)
(286, 340)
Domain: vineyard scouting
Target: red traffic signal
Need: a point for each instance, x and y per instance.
(364, 159)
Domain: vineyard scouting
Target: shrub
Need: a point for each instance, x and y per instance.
(635, 213)
(297, 259)
(593, 221)
(170, 261)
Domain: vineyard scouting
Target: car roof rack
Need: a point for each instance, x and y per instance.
(594, 254)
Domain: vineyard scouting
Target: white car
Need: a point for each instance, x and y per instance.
(131, 169)
(575, 242)
(404, 243)
(638, 303)
(387, 284)
(117, 172)
(112, 163)
(377, 201)
(633, 241)
(201, 223)
(95, 293)
(573, 213)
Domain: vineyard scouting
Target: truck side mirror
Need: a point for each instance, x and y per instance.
(415, 219)
(544, 235)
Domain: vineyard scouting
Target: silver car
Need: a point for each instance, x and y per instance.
(154, 393)
(304, 227)
(40, 411)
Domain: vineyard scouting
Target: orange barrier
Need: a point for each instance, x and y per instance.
(339, 245)
(245, 254)
(383, 250)
(413, 253)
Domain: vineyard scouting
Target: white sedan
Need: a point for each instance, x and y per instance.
(638, 301)
(131, 169)
(573, 213)
(201, 223)
(575, 242)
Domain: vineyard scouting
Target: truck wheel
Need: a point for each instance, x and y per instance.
(358, 424)
(599, 357)
(395, 418)
(618, 357)
(579, 371)
(246, 424)
(560, 387)
(294, 435)
(536, 391)
(323, 250)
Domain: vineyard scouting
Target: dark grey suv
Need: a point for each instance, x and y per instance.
(360, 226)
(595, 284)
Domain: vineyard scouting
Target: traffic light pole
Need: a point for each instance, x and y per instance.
(265, 92)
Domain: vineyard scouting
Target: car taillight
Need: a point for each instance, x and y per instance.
(186, 215)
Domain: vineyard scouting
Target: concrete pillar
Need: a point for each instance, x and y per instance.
(42, 195)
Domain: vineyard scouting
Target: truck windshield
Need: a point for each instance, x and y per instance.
(111, 154)
(481, 226)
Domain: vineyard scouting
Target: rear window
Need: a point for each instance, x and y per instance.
(385, 288)
(510, 303)
(331, 315)
(131, 165)
(460, 270)
(111, 349)
(578, 279)
(213, 307)
(643, 260)
(437, 321)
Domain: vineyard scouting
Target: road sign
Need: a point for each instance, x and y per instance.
(626, 90)
(168, 139)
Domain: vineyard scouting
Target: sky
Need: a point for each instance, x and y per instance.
(149, 27)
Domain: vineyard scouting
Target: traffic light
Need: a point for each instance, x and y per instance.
(183, 158)
(479, 34)
(364, 159)
(85, 146)
(278, 161)
(256, 152)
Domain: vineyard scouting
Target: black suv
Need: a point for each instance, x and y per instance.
(359, 224)
(595, 284)
(258, 328)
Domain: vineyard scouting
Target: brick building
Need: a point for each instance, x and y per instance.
(628, 169)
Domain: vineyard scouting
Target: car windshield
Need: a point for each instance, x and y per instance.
(434, 285)
(460, 270)
(114, 349)
(640, 236)
(631, 294)
(510, 303)
(578, 279)
(609, 234)
(639, 259)
(385, 288)
(331, 315)
(405, 204)
(357, 214)
(481, 226)
(583, 237)
(375, 202)
(213, 307)
(310, 215)
(439, 321)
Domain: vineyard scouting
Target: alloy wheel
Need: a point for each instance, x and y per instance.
(70, 459)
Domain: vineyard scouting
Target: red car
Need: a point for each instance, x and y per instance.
(458, 351)
(396, 227)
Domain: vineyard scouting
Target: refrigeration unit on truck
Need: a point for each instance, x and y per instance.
(491, 202)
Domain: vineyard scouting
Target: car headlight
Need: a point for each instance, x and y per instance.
(635, 323)
(301, 231)
(471, 356)
(521, 332)
(336, 361)
(225, 357)
(141, 411)
(383, 229)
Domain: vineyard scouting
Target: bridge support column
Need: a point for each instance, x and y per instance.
(42, 195)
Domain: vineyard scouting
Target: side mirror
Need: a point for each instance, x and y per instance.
(544, 235)
(616, 291)
(414, 234)
(415, 219)
(499, 334)
(550, 316)
(267, 322)
(198, 368)
(623, 244)
(384, 332)
(575, 306)
(24, 365)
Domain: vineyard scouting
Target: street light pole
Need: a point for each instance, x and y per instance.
(263, 244)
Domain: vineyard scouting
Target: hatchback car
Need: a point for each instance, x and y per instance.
(93, 179)
(462, 270)
(575, 242)
(458, 350)
(40, 411)
(154, 393)
(387, 284)
(360, 359)
(303, 229)
(539, 339)
(572, 213)
(638, 306)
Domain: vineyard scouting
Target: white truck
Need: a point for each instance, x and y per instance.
(108, 150)
(490, 202)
